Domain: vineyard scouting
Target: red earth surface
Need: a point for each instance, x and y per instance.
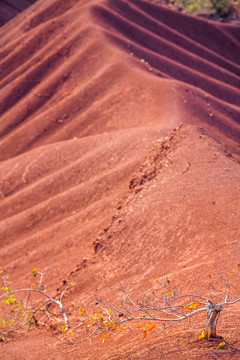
(119, 160)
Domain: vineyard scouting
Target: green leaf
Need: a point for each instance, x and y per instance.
(169, 291)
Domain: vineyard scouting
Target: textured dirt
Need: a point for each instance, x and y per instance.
(119, 149)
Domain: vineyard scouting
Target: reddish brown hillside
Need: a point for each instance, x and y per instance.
(94, 181)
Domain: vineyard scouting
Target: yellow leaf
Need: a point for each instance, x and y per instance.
(210, 276)
(110, 311)
(103, 337)
(70, 331)
(151, 327)
(202, 336)
(34, 271)
(230, 275)
(64, 328)
(148, 326)
(97, 314)
(144, 334)
(122, 329)
(222, 345)
(88, 322)
(192, 306)
(81, 310)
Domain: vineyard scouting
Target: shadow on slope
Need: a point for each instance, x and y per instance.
(10, 8)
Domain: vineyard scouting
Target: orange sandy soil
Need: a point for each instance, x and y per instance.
(119, 149)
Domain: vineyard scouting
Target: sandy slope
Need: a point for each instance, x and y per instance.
(88, 185)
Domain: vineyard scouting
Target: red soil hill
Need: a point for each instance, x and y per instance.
(90, 185)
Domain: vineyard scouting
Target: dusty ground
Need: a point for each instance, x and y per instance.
(119, 148)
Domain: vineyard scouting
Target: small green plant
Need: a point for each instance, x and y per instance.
(20, 313)
(206, 7)
(158, 309)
